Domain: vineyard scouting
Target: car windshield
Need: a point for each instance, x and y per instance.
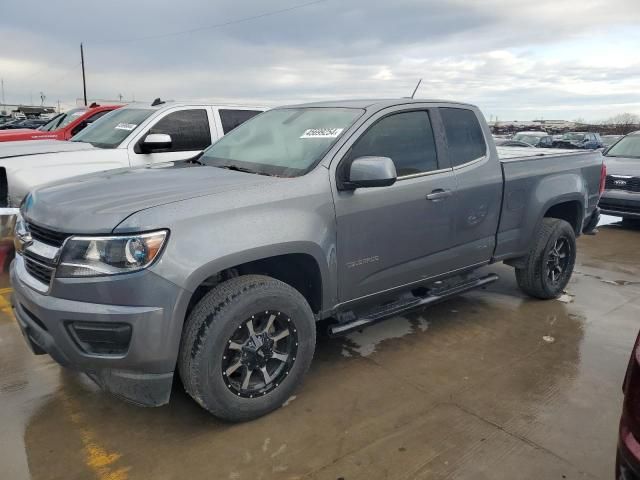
(285, 142)
(629, 146)
(573, 137)
(532, 139)
(53, 123)
(70, 116)
(110, 130)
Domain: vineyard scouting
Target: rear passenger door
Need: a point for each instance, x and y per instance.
(231, 118)
(392, 236)
(190, 131)
(478, 178)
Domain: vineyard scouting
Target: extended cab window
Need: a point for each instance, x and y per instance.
(232, 118)
(464, 135)
(189, 129)
(406, 138)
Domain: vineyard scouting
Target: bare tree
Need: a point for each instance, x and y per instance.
(623, 123)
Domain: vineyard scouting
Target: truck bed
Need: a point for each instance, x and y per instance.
(533, 177)
(507, 154)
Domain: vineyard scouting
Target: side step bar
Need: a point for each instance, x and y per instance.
(435, 296)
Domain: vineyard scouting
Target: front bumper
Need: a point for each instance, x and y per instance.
(620, 203)
(143, 371)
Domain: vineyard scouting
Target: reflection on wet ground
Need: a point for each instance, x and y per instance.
(491, 385)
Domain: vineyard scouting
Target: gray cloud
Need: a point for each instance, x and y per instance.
(515, 59)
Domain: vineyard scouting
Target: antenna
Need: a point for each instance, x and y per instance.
(416, 89)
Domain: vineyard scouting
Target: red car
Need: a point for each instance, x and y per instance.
(628, 458)
(62, 127)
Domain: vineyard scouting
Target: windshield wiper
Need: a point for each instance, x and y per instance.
(236, 168)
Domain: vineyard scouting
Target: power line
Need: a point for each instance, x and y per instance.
(213, 26)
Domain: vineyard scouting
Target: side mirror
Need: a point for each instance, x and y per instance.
(366, 172)
(155, 142)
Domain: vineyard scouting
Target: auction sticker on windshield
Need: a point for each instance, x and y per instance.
(321, 133)
(125, 126)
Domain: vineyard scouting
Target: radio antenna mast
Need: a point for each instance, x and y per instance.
(416, 89)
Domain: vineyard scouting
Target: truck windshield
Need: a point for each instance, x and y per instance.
(629, 147)
(110, 130)
(285, 142)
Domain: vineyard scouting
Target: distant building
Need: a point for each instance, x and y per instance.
(27, 111)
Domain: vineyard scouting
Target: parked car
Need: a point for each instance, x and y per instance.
(628, 457)
(29, 123)
(534, 139)
(62, 127)
(622, 195)
(221, 265)
(133, 136)
(580, 140)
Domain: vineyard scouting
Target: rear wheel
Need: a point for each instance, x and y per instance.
(246, 346)
(549, 264)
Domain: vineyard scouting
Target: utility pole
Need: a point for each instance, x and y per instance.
(84, 79)
(2, 84)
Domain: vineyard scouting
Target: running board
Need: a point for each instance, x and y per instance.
(390, 310)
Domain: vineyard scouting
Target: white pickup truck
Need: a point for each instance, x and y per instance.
(136, 135)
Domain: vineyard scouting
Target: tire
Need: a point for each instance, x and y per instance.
(535, 278)
(212, 366)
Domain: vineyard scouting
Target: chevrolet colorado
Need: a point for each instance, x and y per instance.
(218, 267)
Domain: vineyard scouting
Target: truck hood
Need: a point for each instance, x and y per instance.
(623, 166)
(35, 147)
(97, 203)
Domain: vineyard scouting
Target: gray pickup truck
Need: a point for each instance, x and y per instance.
(219, 267)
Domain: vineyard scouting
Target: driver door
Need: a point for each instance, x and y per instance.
(392, 236)
(190, 131)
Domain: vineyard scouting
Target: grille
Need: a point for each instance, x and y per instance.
(38, 270)
(45, 235)
(623, 207)
(630, 185)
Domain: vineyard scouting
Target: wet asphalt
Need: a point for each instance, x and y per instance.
(490, 385)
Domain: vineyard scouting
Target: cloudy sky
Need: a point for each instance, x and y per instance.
(515, 59)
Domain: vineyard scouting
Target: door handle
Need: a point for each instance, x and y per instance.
(438, 194)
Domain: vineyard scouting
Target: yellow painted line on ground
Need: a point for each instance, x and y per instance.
(5, 290)
(5, 305)
(99, 460)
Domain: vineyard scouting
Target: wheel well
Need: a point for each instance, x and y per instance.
(568, 211)
(299, 270)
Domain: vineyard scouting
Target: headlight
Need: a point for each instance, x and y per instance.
(96, 256)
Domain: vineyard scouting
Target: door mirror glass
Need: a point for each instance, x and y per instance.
(156, 142)
(366, 172)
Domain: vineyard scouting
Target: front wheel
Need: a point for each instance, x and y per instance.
(549, 264)
(246, 347)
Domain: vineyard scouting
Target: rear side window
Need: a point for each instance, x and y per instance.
(406, 138)
(189, 130)
(232, 118)
(464, 135)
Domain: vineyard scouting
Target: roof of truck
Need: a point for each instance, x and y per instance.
(373, 103)
(174, 103)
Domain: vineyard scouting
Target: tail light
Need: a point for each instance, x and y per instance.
(603, 178)
(631, 390)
